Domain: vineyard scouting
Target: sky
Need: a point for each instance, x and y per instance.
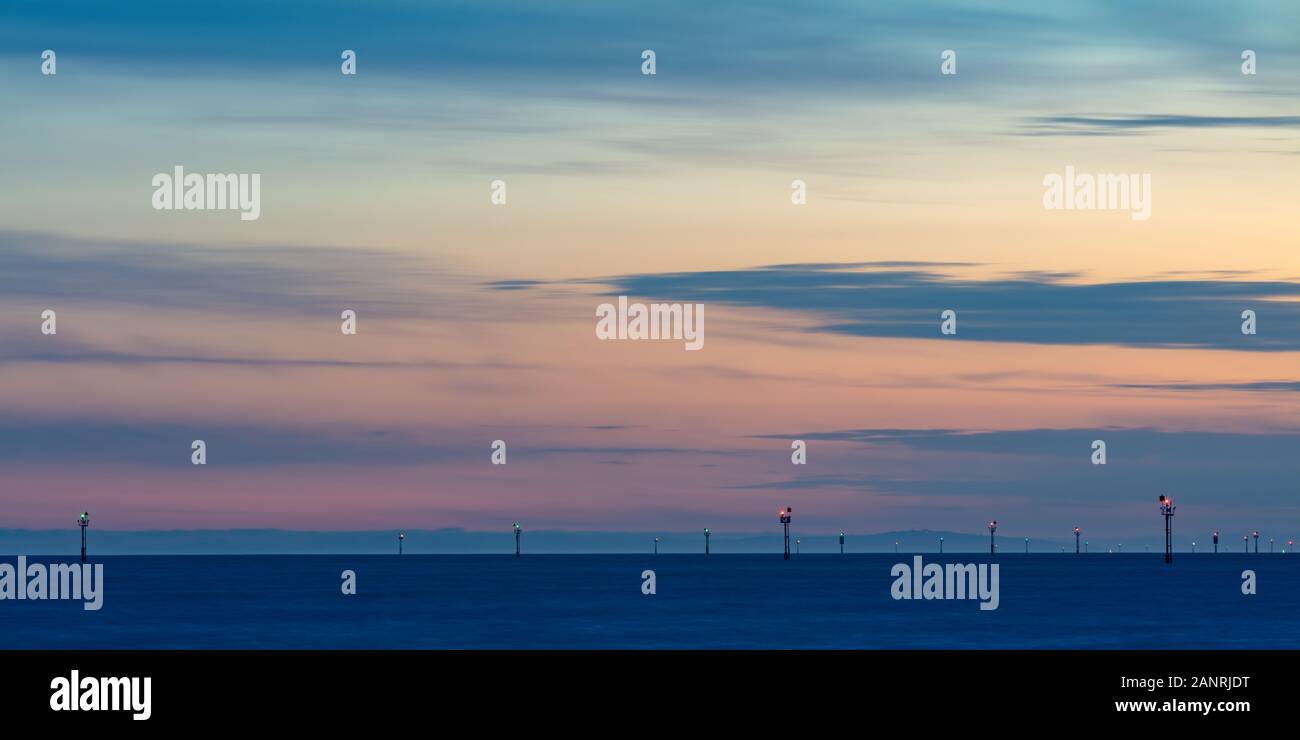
(476, 321)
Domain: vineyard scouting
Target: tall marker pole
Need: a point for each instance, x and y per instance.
(1167, 511)
(785, 525)
(83, 521)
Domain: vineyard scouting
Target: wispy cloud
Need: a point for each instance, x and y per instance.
(1263, 386)
(152, 443)
(1037, 464)
(1030, 307)
(221, 278)
(25, 348)
(1139, 124)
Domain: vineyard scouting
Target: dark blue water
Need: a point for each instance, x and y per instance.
(724, 601)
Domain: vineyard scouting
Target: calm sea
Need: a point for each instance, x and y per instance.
(722, 601)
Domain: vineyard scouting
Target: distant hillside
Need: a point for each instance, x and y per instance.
(450, 541)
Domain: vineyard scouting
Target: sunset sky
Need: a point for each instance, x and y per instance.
(476, 321)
